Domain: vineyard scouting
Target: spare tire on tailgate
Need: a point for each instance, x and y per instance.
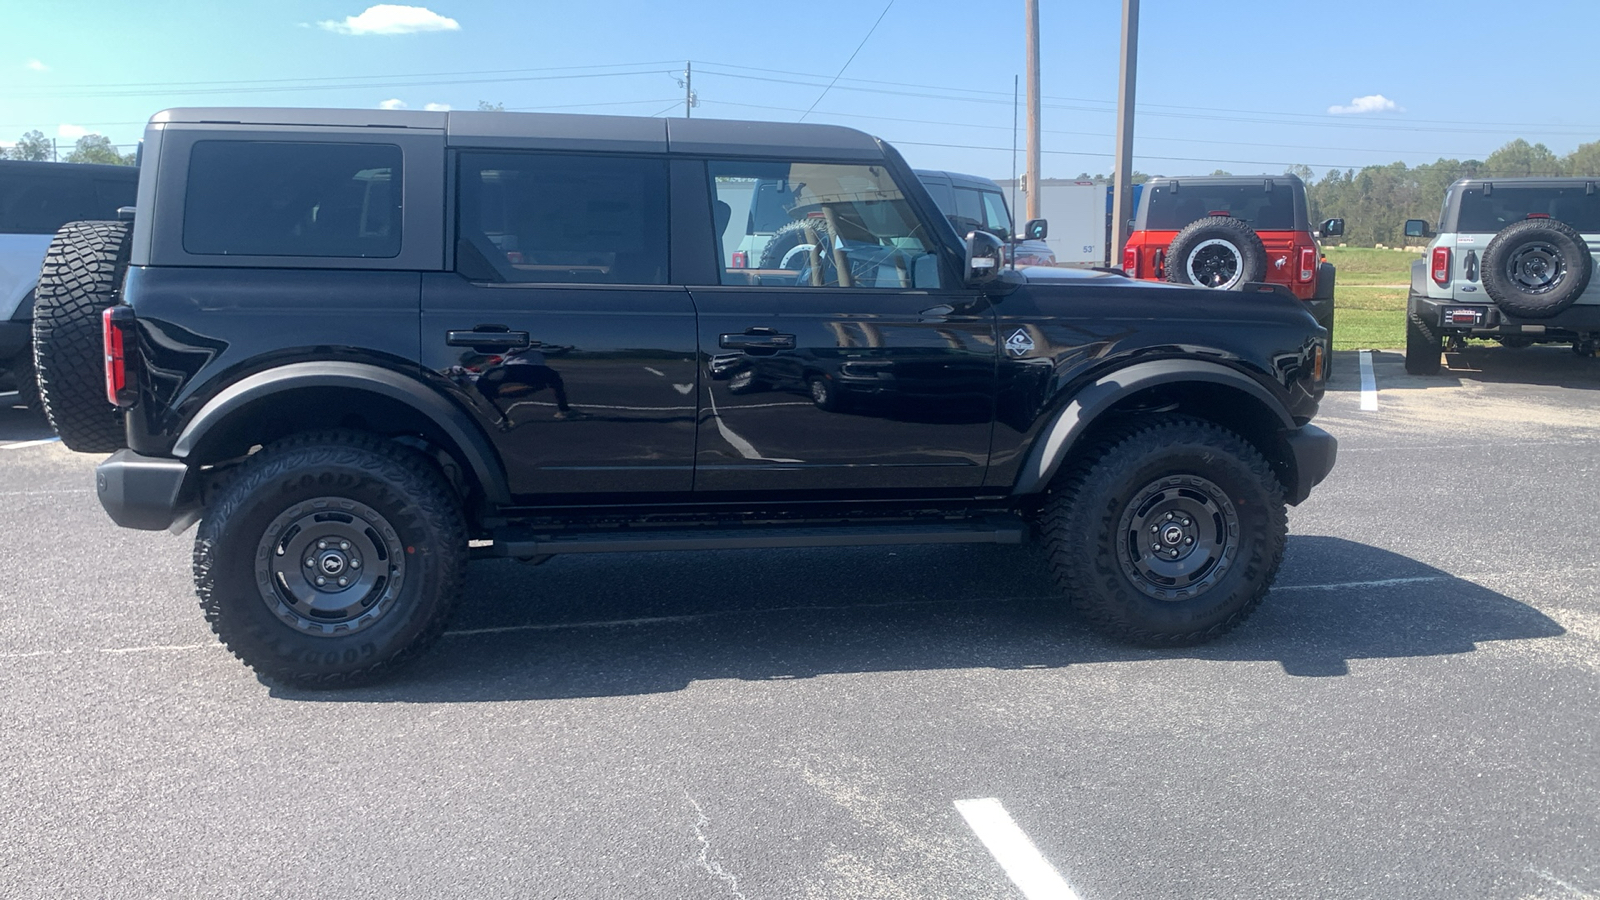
(81, 277)
(1216, 252)
(1536, 268)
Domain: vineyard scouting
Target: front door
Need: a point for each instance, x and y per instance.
(559, 329)
(838, 355)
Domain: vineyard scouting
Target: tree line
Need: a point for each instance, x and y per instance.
(91, 148)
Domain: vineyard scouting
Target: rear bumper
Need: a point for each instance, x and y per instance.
(1584, 318)
(1314, 451)
(145, 492)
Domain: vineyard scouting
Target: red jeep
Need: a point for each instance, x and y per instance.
(1226, 232)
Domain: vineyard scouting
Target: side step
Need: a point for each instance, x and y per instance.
(523, 544)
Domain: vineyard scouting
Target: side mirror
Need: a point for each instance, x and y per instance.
(1036, 229)
(1332, 228)
(1417, 228)
(986, 256)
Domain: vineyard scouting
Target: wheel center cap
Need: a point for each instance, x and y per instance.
(332, 563)
(1171, 535)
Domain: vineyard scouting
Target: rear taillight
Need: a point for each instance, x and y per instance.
(1308, 263)
(1130, 261)
(117, 331)
(1441, 266)
(741, 260)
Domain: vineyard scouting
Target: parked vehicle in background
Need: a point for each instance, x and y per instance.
(1079, 213)
(972, 201)
(546, 350)
(1227, 232)
(36, 199)
(1512, 261)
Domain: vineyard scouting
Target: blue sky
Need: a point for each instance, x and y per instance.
(1244, 85)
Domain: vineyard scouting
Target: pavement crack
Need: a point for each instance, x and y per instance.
(711, 866)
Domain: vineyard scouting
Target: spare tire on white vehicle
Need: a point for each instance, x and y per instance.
(81, 277)
(1218, 252)
(1536, 268)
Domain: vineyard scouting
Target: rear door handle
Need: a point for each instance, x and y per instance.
(480, 338)
(765, 339)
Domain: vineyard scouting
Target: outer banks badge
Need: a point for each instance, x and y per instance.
(1019, 344)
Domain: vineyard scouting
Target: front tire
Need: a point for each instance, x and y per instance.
(1166, 532)
(331, 559)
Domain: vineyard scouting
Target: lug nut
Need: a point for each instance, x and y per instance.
(355, 563)
(1188, 541)
(321, 580)
(1155, 546)
(1154, 528)
(343, 582)
(345, 545)
(322, 545)
(310, 561)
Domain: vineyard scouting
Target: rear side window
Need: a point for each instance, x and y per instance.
(560, 219)
(40, 203)
(1487, 214)
(270, 198)
(1264, 210)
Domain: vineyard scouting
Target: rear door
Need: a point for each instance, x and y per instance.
(861, 366)
(559, 328)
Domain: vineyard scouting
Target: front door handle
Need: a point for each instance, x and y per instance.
(484, 338)
(756, 339)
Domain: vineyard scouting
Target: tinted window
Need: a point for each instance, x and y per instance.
(261, 198)
(841, 226)
(41, 202)
(550, 218)
(1171, 210)
(1504, 206)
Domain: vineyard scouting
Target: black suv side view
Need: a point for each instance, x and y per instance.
(363, 347)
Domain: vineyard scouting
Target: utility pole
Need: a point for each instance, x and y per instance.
(1122, 190)
(1032, 183)
(688, 88)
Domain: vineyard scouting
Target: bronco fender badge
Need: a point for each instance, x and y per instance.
(1019, 344)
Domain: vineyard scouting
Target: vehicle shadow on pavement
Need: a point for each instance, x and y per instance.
(620, 626)
(18, 423)
(1548, 366)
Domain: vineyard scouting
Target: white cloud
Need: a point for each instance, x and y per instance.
(1369, 104)
(392, 18)
(437, 107)
(72, 132)
(37, 66)
(392, 104)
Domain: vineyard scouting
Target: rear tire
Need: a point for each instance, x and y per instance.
(1166, 532)
(1536, 268)
(80, 278)
(1422, 346)
(1218, 252)
(335, 505)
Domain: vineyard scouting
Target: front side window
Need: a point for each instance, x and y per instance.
(559, 219)
(282, 198)
(818, 225)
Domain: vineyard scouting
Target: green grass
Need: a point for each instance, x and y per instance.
(1365, 315)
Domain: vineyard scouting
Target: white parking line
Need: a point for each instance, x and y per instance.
(19, 445)
(1009, 845)
(1369, 383)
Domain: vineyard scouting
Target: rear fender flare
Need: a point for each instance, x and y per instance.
(476, 451)
(1055, 441)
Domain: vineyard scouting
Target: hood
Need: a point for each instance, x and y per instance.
(1099, 277)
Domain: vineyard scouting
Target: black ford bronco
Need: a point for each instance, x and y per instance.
(364, 347)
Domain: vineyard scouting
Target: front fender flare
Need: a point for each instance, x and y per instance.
(476, 450)
(1056, 440)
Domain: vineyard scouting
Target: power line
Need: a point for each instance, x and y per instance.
(848, 61)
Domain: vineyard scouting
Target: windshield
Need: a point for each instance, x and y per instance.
(1486, 212)
(1173, 206)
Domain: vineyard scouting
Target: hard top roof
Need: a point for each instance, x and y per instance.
(1533, 181)
(1228, 180)
(564, 131)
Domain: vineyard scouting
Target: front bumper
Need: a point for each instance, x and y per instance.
(146, 492)
(1314, 451)
(1451, 316)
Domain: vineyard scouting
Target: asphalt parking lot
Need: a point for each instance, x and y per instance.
(1414, 712)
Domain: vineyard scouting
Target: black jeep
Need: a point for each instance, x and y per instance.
(362, 347)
